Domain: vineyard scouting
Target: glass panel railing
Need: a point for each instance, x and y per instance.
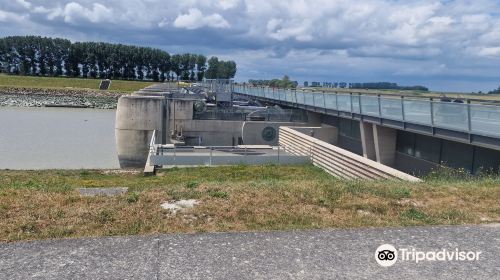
(391, 108)
(485, 119)
(330, 101)
(270, 93)
(274, 94)
(281, 94)
(417, 111)
(369, 105)
(289, 95)
(253, 91)
(355, 104)
(344, 102)
(450, 115)
(308, 98)
(300, 97)
(319, 101)
(277, 94)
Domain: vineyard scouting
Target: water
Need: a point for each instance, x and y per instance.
(57, 138)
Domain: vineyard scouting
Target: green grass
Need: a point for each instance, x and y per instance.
(78, 83)
(46, 204)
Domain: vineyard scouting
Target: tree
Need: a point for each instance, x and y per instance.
(496, 91)
(213, 65)
(175, 63)
(201, 66)
(34, 55)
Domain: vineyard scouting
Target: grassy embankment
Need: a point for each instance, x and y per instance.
(68, 83)
(46, 204)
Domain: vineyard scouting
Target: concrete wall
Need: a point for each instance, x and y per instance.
(326, 133)
(385, 144)
(181, 109)
(212, 132)
(136, 118)
(252, 131)
(314, 119)
(413, 165)
(335, 160)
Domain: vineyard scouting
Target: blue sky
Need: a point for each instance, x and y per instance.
(446, 45)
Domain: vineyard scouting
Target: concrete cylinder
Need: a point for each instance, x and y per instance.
(136, 119)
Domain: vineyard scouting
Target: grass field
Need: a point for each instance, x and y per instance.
(46, 204)
(57, 83)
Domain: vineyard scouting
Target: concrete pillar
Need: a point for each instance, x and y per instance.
(385, 144)
(136, 118)
(367, 140)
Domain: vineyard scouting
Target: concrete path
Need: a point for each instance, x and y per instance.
(322, 254)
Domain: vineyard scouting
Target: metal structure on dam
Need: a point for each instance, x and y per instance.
(195, 119)
(350, 135)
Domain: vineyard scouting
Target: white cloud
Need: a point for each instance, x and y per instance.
(24, 3)
(390, 35)
(490, 51)
(74, 12)
(298, 30)
(227, 4)
(9, 17)
(163, 23)
(195, 19)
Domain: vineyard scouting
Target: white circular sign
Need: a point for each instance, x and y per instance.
(386, 255)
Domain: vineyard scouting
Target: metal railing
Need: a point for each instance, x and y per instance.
(222, 155)
(267, 114)
(472, 118)
(153, 150)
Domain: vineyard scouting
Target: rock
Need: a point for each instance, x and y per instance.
(409, 202)
(363, 212)
(33, 97)
(179, 205)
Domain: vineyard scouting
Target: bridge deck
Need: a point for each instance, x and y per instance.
(469, 122)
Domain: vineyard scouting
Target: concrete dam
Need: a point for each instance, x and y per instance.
(354, 136)
(206, 115)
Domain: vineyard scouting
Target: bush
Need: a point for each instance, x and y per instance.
(133, 197)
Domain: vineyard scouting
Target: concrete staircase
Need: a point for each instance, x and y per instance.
(337, 161)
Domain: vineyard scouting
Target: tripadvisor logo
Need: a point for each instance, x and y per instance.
(387, 255)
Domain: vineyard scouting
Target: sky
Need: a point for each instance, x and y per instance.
(445, 45)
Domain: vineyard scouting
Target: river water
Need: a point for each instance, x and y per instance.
(57, 138)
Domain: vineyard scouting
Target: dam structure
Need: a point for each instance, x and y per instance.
(349, 135)
(412, 134)
(200, 124)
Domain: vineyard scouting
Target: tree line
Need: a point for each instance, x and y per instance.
(42, 56)
(285, 82)
(377, 85)
(385, 85)
(495, 91)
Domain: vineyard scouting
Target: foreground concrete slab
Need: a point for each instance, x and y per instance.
(322, 254)
(93, 258)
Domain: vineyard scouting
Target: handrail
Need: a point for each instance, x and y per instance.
(152, 144)
(478, 119)
(377, 92)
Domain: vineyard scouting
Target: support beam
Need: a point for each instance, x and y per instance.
(385, 144)
(367, 140)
